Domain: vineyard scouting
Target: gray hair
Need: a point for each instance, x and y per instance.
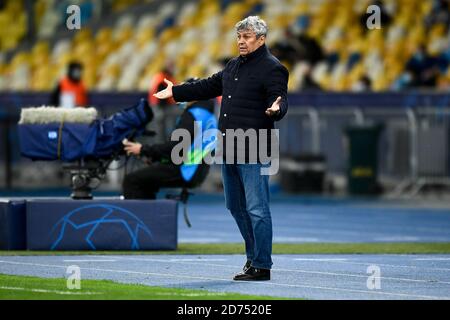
(253, 23)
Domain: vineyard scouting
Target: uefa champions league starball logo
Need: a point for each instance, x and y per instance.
(100, 225)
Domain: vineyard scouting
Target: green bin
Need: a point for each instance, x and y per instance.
(362, 172)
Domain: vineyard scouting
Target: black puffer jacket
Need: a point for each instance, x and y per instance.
(248, 85)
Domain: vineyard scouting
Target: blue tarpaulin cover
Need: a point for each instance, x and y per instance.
(73, 141)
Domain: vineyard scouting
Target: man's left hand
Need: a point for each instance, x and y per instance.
(275, 108)
(132, 148)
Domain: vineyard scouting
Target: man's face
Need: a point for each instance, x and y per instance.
(75, 74)
(247, 42)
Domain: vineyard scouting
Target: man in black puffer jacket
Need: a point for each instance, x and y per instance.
(253, 88)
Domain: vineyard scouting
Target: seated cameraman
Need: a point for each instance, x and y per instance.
(161, 172)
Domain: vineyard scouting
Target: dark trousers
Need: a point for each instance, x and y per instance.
(146, 182)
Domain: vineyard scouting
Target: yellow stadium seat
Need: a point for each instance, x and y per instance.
(103, 35)
(169, 35)
(380, 83)
(64, 59)
(14, 7)
(89, 77)
(301, 8)
(20, 58)
(214, 49)
(196, 71)
(144, 37)
(103, 49)
(83, 35)
(42, 78)
(438, 30)
(124, 34)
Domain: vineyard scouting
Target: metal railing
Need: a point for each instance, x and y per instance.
(413, 147)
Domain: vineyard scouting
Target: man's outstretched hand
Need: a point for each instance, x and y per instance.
(275, 108)
(166, 93)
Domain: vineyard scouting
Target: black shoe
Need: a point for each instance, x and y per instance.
(253, 274)
(247, 265)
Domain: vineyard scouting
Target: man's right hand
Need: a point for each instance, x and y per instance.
(166, 93)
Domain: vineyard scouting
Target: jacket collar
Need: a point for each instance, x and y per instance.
(255, 54)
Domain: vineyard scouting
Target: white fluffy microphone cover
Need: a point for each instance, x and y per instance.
(44, 115)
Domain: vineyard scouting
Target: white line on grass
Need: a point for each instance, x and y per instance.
(49, 291)
(92, 260)
(307, 259)
(199, 240)
(380, 293)
(382, 264)
(178, 294)
(195, 260)
(392, 265)
(291, 270)
(433, 259)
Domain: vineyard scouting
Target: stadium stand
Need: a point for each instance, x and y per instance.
(123, 52)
